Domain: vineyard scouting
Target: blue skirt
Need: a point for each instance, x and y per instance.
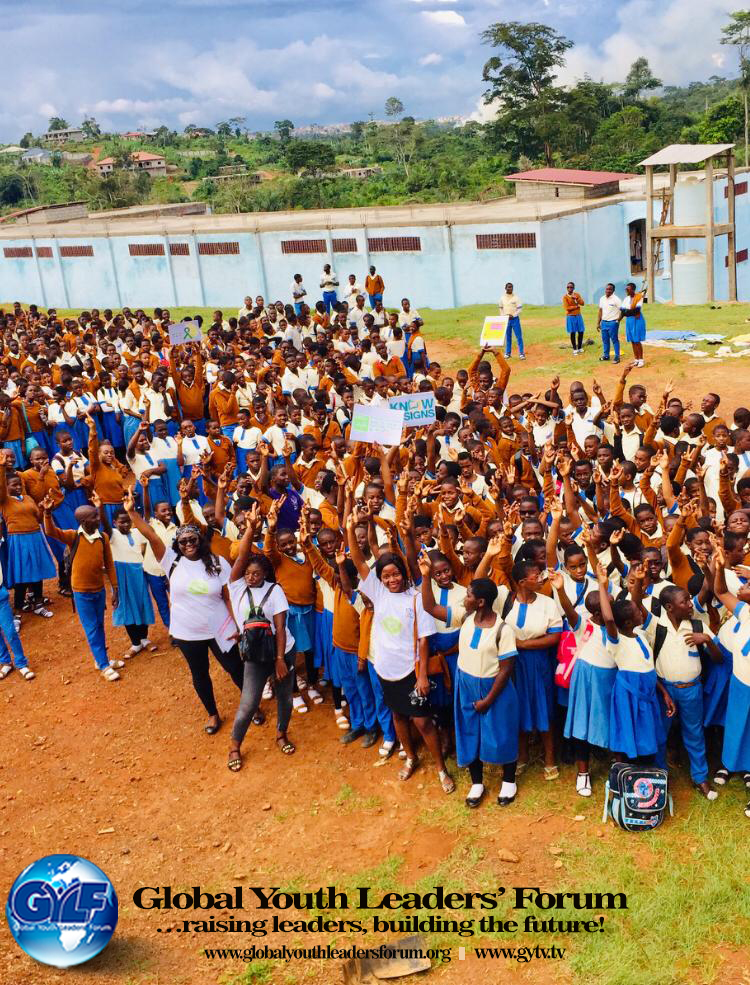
(716, 690)
(736, 752)
(171, 480)
(110, 509)
(442, 696)
(635, 328)
(29, 559)
(129, 426)
(112, 429)
(491, 736)
(134, 606)
(574, 323)
(323, 649)
(301, 623)
(44, 440)
(589, 703)
(535, 678)
(635, 716)
(157, 492)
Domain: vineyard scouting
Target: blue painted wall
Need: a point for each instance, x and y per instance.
(589, 247)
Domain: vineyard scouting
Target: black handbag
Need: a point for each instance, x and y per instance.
(257, 643)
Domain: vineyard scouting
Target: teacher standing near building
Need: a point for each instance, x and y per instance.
(608, 323)
(510, 305)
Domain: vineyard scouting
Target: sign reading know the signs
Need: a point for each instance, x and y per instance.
(418, 408)
(493, 330)
(376, 424)
(185, 331)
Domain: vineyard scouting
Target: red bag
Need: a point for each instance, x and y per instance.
(566, 654)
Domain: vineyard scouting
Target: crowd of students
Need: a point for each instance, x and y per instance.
(566, 565)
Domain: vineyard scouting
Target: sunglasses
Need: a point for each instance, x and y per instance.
(186, 541)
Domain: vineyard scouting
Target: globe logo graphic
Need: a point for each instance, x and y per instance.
(62, 910)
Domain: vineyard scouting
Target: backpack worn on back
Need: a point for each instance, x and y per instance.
(639, 797)
(257, 642)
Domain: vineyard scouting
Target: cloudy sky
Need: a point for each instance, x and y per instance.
(143, 63)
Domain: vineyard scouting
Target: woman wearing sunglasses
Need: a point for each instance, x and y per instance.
(200, 615)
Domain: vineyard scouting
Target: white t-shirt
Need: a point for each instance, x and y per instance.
(197, 607)
(276, 603)
(610, 307)
(393, 628)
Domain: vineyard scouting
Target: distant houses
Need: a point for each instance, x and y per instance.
(140, 160)
(72, 135)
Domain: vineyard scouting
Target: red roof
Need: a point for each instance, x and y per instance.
(569, 176)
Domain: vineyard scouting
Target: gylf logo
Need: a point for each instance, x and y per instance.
(62, 910)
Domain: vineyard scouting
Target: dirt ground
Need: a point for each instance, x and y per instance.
(124, 775)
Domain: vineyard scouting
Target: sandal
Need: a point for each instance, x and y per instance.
(315, 696)
(148, 645)
(550, 772)
(409, 768)
(521, 768)
(446, 782)
(747, 810)
(267, 692)
(66, 593)
(234, 762)
(27, 673)
(298, 703)
(132, 651)
(5, 669)
(117, 664)
(721, 777)
(341, 720)
(110, 674)
(287, 747)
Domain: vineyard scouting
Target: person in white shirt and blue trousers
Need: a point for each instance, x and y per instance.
(510, 305)
(608, 323)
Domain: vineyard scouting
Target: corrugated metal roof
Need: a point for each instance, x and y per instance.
(686, 153)
(568, 176)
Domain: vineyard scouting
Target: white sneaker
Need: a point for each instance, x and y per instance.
(583, 785)
(385, 748)
(110, 674)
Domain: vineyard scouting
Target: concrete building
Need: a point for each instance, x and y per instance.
(140, 160)
(36, 155)
(72, 135)
(542, 184)
(360, 173)
(440, 256)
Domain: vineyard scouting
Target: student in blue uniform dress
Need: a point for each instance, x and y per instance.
(735, 756)
(486, 703)
(537, 625)
(164, 451)
(134, 610)
(111, 416)
(635, 716)
(444, 643)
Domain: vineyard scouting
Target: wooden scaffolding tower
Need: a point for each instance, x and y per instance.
(711, 156)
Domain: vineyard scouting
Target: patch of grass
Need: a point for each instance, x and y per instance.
(255, 973)
(348, 800)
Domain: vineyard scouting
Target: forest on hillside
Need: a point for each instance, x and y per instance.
(534, 121)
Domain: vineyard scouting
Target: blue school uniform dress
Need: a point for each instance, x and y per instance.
(574, 323)
(192, 449)
(29, 558)
(80, 429)
(718, 676)
(736, 751)
(111, 426)
(635, 323)
(535, 669)
(323, 648)
(490, 736)
(576, 592)
(140, 463)
(635, 716)
(591, 684)
(445, 639)
(244, 440)
(11, 648)
(134, 606)
(164, 450)
(156, 580)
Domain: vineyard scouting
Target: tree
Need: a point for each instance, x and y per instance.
(27, 140)
(58, 123)
(737, 33)
(393, 106)
(403, 139)
(309, 157)
(639, 79)
(358, 130)
(12, 189)
(522, 75)
(91, 128)
(284, 129)
(224, 129)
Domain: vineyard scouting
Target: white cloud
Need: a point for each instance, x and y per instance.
(681, 43)
(433, 1)
(446, 18)
(432, 59)
(48, 109)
